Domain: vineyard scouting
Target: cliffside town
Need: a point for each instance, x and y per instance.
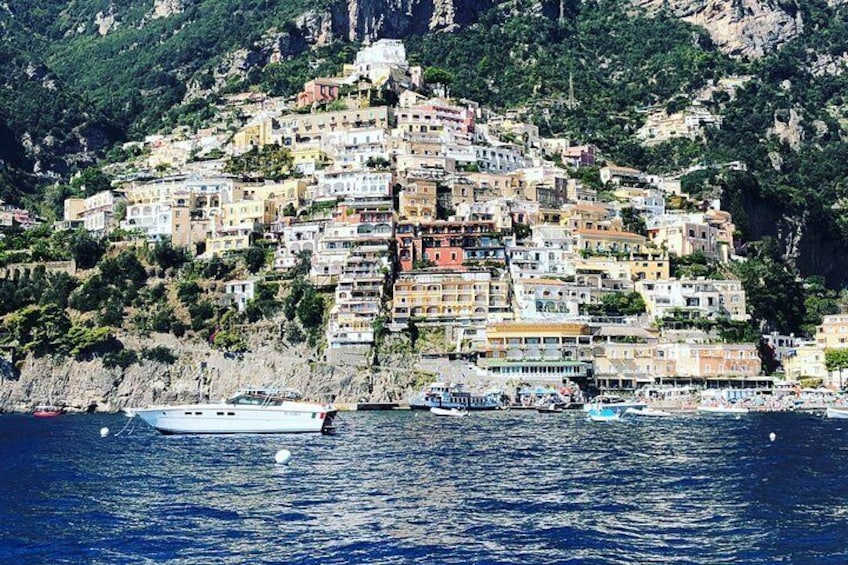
(427, 236)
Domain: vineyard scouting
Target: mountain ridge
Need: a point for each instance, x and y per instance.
(156, 62)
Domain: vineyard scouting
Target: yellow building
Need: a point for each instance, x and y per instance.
(595, 241)
(221, 243)
(590, 217)
(417, 200)
(289, 190)
(311, 126)
(806, 361)
(538, 352)
(309, 155)
(244, 214)
(449, 297)
(653, 265)
(256, 134)
(833, 332)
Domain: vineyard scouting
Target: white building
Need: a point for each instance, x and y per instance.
(240, 292)
(351, 149)
(294, 239)
(694, 298)
(380, 58)
(95, 212)
(154, 220)
(347, 184)
(499, 159)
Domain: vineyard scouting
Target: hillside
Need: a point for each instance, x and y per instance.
(80, 75)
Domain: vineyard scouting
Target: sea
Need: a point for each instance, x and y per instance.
(511, 487)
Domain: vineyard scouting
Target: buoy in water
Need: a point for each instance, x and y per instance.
(772, 436)
(104, 432)
(283, 457)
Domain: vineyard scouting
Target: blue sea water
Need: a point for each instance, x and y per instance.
(403, 487)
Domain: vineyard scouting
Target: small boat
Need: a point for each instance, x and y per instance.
(615, 403)
(722, 409)
(603, 414)
(837, 412)
(249, 411)
(551, 408)
(48, 411)
(647, 412)
(453, 412)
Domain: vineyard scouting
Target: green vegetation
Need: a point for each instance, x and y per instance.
(616, 304)
(272, 162)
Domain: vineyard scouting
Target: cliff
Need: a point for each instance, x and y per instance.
(201, 373)
(746, 28)
(367, 20)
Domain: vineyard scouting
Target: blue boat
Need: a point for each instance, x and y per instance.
(603, 414)
(447, 395)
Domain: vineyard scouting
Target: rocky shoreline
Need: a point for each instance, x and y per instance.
(200, 373)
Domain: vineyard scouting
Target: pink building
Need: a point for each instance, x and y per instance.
(318, 90)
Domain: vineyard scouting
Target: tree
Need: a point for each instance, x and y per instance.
(633, 221)
(310, 310)
(41, 330)
(439, 76)
(90, 181)
(167, 256)
(836, 360)
(86, 249)
(255, 258)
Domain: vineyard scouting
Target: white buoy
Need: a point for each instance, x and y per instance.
(283, 457)
(772, 436)
(104, 432)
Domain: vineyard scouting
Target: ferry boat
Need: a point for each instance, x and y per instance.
(447, 395)
(48, 411)
(249, 411)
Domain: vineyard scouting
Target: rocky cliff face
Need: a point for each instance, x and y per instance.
(167, 8)
(199, 374)
(748, 28)
(367, 20)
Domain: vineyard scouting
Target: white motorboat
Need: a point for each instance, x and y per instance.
(613, 403)
(840, 412)
(647, 412)
(250, 411)
(722, 409)
(453, 412)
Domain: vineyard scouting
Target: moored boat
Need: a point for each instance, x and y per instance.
(603, 414)
(48, 411)
(614, 403)
(447, 395)
(452, 412)
(722, 409)
(249, 411)
(839, 412)
(647, 412)
(549, 408)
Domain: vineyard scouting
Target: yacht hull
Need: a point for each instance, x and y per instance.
(229, 419)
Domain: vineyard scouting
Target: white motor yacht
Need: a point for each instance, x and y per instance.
(250, 411)
(840, 412)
